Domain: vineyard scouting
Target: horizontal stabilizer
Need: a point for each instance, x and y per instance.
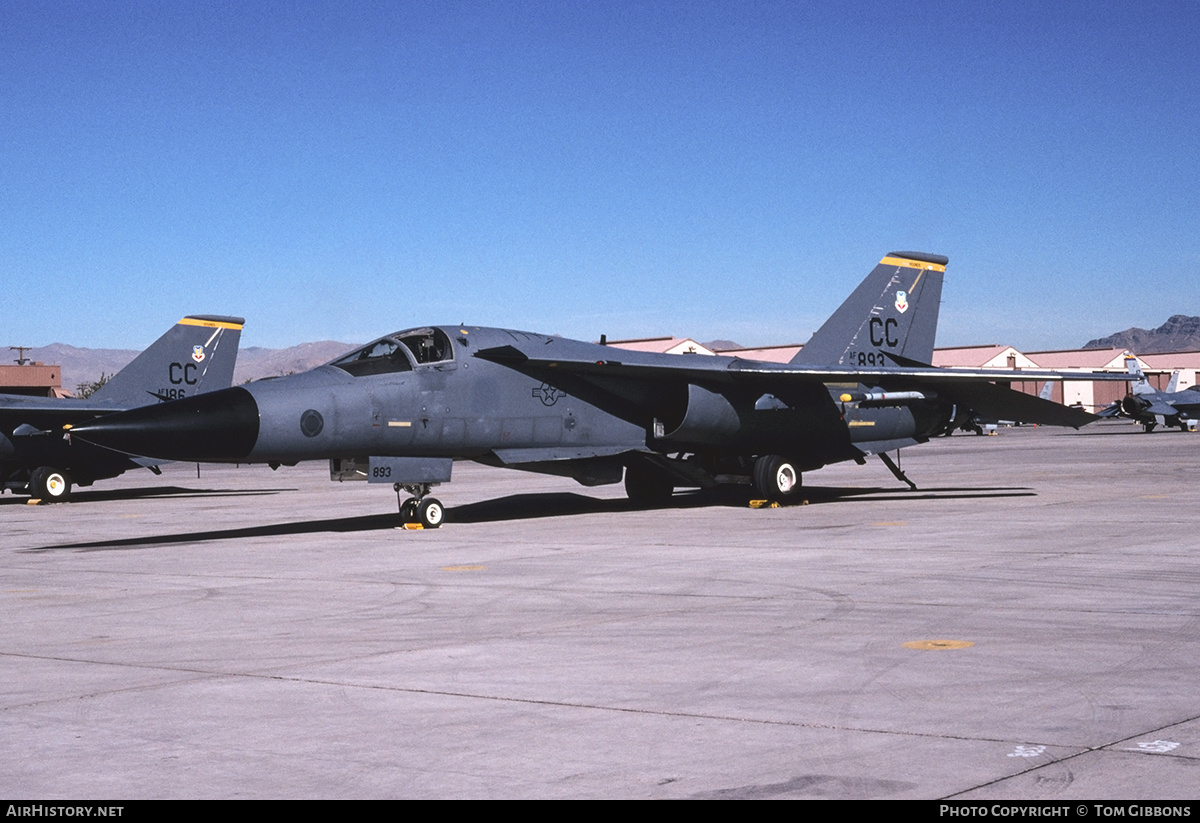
(907, 362)
(1159, 407)
(998, 403)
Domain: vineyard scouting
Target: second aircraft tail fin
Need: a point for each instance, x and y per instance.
(1139, 384)
(196, 355)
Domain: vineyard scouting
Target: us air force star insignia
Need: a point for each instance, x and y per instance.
(198, 354)
(548, 394)
(902, 301)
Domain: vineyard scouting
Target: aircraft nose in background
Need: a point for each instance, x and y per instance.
(220, 425)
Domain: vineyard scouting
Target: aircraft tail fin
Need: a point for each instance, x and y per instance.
(1139, 385)
(894, 311)
(196, 355)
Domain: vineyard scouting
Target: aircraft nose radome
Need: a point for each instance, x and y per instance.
(217, 426)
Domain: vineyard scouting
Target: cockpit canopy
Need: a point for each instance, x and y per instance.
(398, 352)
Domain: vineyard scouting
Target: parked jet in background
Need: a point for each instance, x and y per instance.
(1151, 407)
(196, 355)
(401, 409)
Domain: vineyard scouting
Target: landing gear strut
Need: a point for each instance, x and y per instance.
(428, 512)
(895, 469)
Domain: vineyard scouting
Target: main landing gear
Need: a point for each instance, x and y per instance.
(776, 478)
(420, 510)
(50, 485)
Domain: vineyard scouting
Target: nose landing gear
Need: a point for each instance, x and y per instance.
(419, 511)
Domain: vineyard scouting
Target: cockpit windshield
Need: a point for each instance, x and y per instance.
(398, 352)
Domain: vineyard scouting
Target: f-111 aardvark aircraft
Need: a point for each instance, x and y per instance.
(402, 409)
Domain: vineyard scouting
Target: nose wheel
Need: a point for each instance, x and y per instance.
(423, 511)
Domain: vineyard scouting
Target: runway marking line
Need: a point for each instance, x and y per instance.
(937, 645)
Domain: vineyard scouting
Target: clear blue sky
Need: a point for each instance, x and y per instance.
(341, 170)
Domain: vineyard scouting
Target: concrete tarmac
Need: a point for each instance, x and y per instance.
(1026, 625)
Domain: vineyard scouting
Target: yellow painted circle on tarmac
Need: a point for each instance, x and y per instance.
(937, 645)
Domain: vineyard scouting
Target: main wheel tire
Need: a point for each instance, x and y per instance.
(776, 478)
(647, 485)
(408, 510)
(35, 480)
(430, 513)
(50, 485)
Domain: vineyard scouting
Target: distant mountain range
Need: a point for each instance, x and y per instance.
(1179, 333)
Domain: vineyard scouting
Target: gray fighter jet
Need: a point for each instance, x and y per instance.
(196, 355)
(400, 410)
(1153, 408)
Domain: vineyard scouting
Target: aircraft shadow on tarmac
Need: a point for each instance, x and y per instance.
(535, 506)
(147, 493)
(531, 506)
